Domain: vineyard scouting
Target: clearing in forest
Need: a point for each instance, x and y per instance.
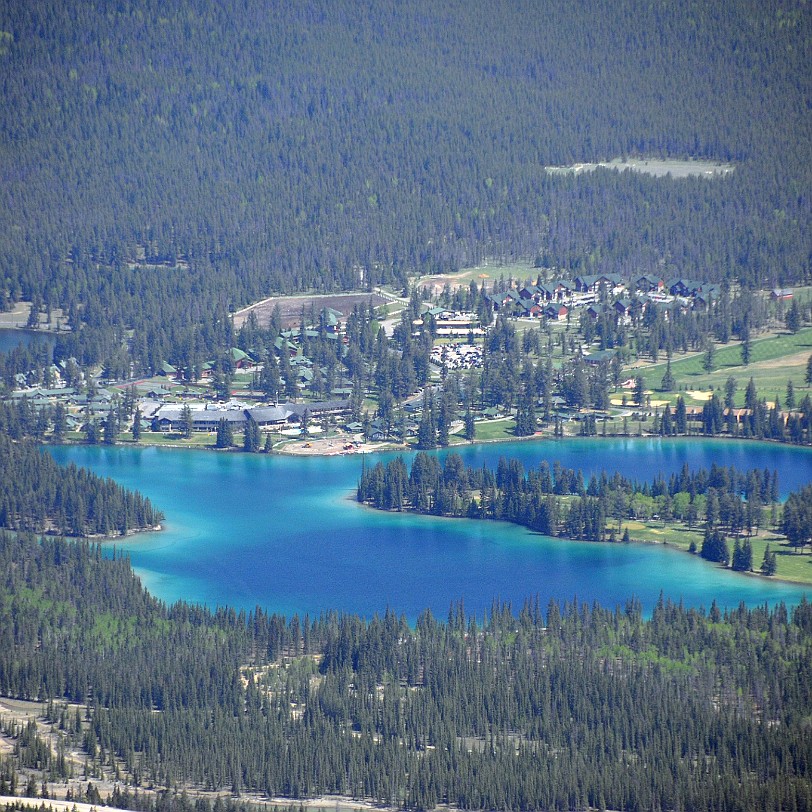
(290, 307)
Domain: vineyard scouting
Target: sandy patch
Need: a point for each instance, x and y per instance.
(328, 447)
(698, 394)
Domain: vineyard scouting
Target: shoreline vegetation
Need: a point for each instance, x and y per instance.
(40, 496)
(722, 515)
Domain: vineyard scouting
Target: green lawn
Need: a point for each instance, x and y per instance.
(792, 565)
(496, 430)
(774, 360)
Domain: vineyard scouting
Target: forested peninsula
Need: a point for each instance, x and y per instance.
(40, 496)
(557, 501)
(536, 707)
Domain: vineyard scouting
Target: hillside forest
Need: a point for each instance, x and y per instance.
(164, 164)
(558, 707)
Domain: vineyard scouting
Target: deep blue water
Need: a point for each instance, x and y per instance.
(284, 533)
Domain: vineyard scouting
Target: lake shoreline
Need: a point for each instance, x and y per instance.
(279, 532)
(291, 448)
(568, 540)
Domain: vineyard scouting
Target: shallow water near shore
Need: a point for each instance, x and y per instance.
(285, 533)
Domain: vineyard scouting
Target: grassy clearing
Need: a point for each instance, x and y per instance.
(774, 361)
(496, 430)
(487, 272)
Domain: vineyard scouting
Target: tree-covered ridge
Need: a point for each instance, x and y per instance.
(558, 501)
(39, 495)
(165, 163)
(556, 708)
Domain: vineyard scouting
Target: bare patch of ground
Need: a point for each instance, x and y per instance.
(290, 307)
(657, 167)
(486, 272)
(326, 447)
(699, 395)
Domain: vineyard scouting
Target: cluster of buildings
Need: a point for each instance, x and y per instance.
(554, 301)
(206, 417)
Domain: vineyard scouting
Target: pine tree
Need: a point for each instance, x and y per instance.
(91, 432)
(667, 383)
(110, 429)
(708, 359)
(639, 391)
(136, 427)
(427, 430)
(60, 423)
(186, 422)
(769, 565)
(470, 426)
(793, 317)
(526, 418)
(225, 434)
(742, 556)
(251, 438)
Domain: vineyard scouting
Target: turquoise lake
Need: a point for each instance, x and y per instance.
(285, 533)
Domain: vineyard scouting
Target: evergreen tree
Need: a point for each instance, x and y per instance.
(667, 383)
(526, 418)
(251, 437)
(769, 564)
(470, 425)
(136, 426)
(110, 429)
(427, 430)
(742, 556)
(793, 317)
(91, 432)
(225, 434)
(709, 356)
(639, 391)
(60, 423)
(730, 392)
(789, 399)
(186, 422)
(714, 547)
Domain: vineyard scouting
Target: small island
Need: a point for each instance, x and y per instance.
(696, 510)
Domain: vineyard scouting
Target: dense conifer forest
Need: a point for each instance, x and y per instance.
(555, 707)
(38, 495)
(165, 163)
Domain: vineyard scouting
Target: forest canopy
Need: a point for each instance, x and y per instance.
(164, 163)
